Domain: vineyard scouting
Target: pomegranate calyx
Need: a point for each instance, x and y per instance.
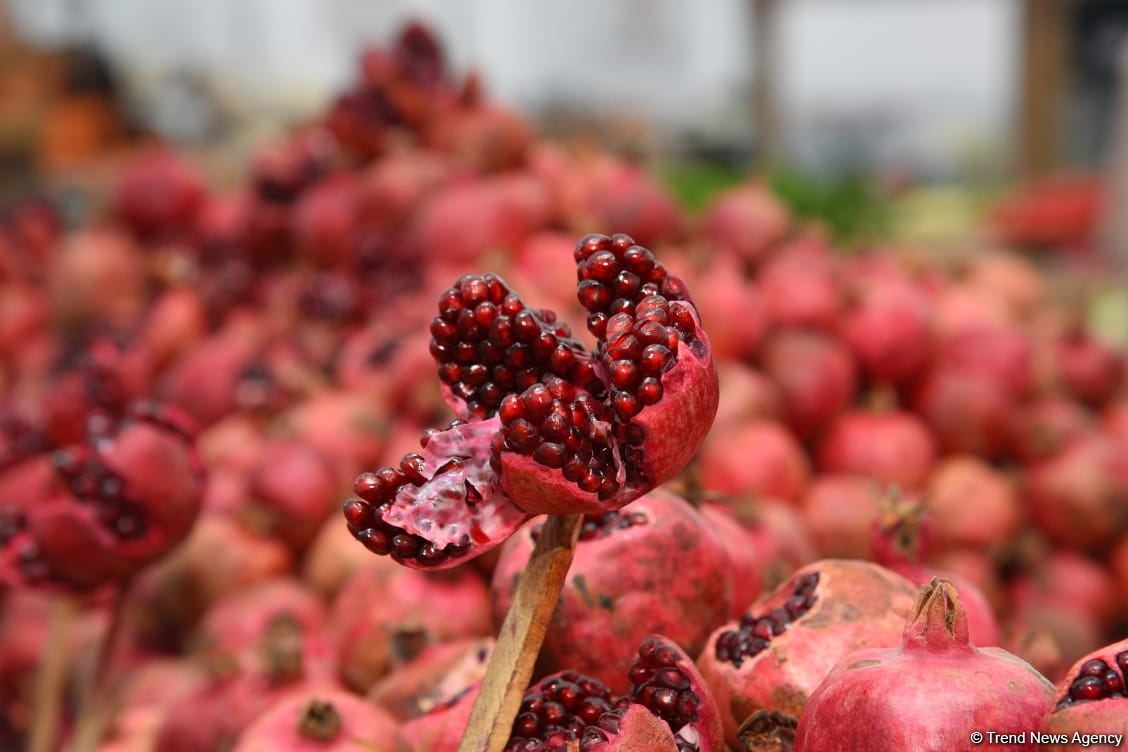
(939, 620)
(320, 720)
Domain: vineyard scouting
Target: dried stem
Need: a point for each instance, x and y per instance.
(51, 679)
(97, 703)
(521, 636)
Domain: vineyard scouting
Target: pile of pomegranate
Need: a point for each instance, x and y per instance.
(273, 458)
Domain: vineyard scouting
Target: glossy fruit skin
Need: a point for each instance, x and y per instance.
(1106, 716)
(929, 694)
(857, 604)
(627, 584)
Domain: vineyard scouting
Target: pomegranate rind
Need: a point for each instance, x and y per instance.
(1107, 716)
(364, 727)
(858, 605)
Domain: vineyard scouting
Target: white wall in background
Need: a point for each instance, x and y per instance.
(915, 79)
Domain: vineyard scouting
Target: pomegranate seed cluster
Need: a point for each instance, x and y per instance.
(565, 709)
(91, 482)
(1098, 681)
(755, 632)
(603, 525)
(489, 344)
(663, 688)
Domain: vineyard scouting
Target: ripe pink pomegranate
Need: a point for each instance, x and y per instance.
(241, 620)
(800, 287)
(624, 583)
(930, 693)
(149, 694)
(347, 427)
(1070, 582)
(1039, 429)
(98, 275)
(385, 615)
(1091, 371)
(969, 412)
(552, 429)
(893, 447)
(99, 511)
(294, 489)
(816, 375)
(332, 558)
(320, 720)
(1010, 277)
(1114, 418)
(159, 195)
(176, 320)
(784, 646)
(731, 310)
(759, 457)
(972, 503)
(483, 138)
(1076, 496)
(778, 532)
(889, 328)
(746, 559)
(326, 221)
(1002, 354)
(748, 221)
(205, 382)
(544, 266)
(666, 709)
(748, 395)
(441, 674)
(839, 511)
(1091, 700)
(394, 186)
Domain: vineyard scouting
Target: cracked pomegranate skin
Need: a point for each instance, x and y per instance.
(755, 664)
(666, 572)
(928, 695)
(1082, 704)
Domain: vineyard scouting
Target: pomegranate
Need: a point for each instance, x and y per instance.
(176, 320)
(159, 195)
(1076, 496)
(441, 674)
(840, 510)
(800, 287)
(97, 276)
(332, 558)
(758, 457)
(394, 186)
(1092, 372)
(1091, 701)
(748, 395)
(994, 514)
(1039, 429)
(294, 489)
(746, 559)
(552, 429)
(668, 709)
(99, 511)
(893, 447)
(969, 412)
(816, 375)
(320, 719)
(927, 694)
(784, 646)
(1001, 354)
(385, 615)
(890, 330)
(1068, 581)
(623, 583)
(747, 221)
(731, 310)
(241, 620)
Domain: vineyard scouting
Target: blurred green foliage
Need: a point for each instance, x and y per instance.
(695, 183)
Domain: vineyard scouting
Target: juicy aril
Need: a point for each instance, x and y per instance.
(784, 646)
(544, 426)
(929, 694)
(1092, 698)
(656, 565)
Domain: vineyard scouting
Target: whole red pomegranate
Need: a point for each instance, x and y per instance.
(385, 615)
(294, 489)
(748, 221)
(159, 195)
(1077, 496)
(438, 675)
(552, 428)
(99, 511)
(931, 693)
(321, 720)
(1039, 429)
(667, 708)
(1091, 701)
(994, 515)
(800, 287)
(758, 457)
(968, 412)
(784, 646)
(890, 330)
(748, 395)
(840, 510)
(626, 580)
(242, 619)
(816, 375)
(731, 310)
(1091, 371)
(894, 447)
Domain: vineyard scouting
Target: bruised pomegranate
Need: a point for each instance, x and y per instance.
(930, 693)
(784, 646)
(654, 566)
(325, 720)
(1091, 700)
(99, 511)
(553, 429)
(667, 709)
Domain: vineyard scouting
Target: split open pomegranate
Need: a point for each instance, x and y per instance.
(545, 425)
